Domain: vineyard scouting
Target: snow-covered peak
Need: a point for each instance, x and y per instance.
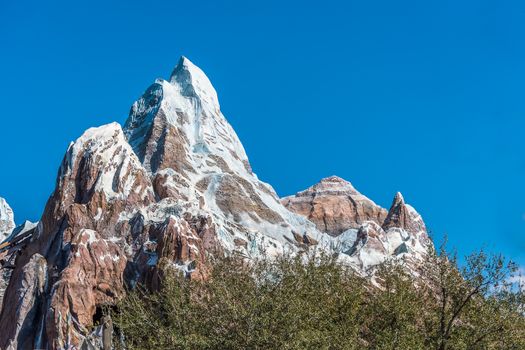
(94, 137)
(178, 124)
(399, 199)
(7, 219)
(106, 161)
(194, 83)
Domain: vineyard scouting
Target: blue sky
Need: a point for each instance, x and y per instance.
(422, 97)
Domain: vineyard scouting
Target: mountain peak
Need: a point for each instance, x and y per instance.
(194, 82)
(334, 206)
(172, 187)
(177, 123)
(334, 183)
(334, 178)
(398, 199)
(403, 216)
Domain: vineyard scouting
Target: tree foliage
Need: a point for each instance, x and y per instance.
(316, 303)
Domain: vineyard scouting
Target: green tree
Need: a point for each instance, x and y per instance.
(314, 302)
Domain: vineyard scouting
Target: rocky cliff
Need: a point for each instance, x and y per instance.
(158, 196)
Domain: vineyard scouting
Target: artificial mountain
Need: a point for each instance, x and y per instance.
(159, 195)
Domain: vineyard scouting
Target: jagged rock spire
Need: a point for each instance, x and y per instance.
(403, 216)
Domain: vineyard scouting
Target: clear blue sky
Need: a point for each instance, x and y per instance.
(424, 97)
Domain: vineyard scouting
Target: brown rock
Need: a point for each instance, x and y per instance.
(239, 242)
(93, 277)
(24, 301)
(235, 196)
(304, 239)
(334, 206)
(100, 183)
(403, 216)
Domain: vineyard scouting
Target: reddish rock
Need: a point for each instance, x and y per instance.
(100, 183)
(23, 303)
(403, 216)
(334, 206)
(94, 276)
(159, 200)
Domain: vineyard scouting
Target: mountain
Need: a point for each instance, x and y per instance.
(367, 233)
(159, 195)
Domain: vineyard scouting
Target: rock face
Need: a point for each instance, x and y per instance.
(335, 206)
(8, 252)
(173, 186)
(375, 234)
(403, 216)
(99, 182)
(7, 219)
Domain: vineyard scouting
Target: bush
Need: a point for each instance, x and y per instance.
(316, 303)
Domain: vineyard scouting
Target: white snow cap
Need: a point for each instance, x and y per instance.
(7, 219)
(399, 198)
(194, 82)
(111, 153)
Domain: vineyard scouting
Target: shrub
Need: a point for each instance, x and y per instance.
(316, 303)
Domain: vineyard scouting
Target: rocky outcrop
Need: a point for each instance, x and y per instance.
(79, 243)
(335, 206)
(402, 235)
(159, 196)
(403, 216)
(7, 219)
(26, 296)
(9, 250)
(365, 232)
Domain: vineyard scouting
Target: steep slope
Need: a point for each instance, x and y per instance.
(174, 185)
(8, 251)
(195, 157)
(74, 262)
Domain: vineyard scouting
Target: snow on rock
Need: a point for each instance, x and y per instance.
(8, 234)
(170, 188)
(100, 174)
(364, 233)
(110, 156)
(7, 219)
(195, 158)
